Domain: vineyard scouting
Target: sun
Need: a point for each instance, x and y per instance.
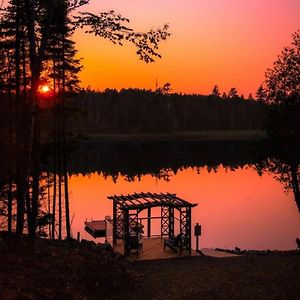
(45, 89)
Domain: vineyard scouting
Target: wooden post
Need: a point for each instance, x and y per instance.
(171, 222)
(126, 232)
(149, 223)
(114, 223)
(189, 228)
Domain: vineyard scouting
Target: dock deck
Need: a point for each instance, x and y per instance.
(153, 248)
(96, 228)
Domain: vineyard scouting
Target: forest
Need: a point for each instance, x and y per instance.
(143, 111)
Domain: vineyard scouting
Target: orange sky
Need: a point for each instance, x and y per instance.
(225, 42)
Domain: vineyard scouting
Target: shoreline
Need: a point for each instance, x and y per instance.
(72, 270)
(221, 136)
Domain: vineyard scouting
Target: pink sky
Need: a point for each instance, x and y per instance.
(230, 43)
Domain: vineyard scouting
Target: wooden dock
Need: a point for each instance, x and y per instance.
(153, 248)
(96, 228)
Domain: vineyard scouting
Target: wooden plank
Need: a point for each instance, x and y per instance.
(183, 201)
(135, 199)
(145, 200)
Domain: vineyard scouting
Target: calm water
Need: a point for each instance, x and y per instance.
(236, 206)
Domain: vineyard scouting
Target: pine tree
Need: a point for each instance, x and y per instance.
(215, 92)
(233, 94)
(250, 97)
(261, 94)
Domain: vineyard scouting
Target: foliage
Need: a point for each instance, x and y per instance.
(165, 89)
(261, 94)
(233, 94)
(283, 80)
(112, 26)
(216, 92)
(141, 111)
(282, 93)
(282, 124)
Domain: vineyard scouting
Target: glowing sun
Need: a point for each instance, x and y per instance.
(45, 89)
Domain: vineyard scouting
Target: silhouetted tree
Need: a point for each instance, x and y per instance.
(165, 89)
(224, 95)
(233, 94)
(216, 92)
(261, 94)
(282, 81)
(250, 97)
(282, 94)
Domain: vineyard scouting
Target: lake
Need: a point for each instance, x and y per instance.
(236, 206)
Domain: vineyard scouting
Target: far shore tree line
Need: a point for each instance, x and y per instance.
(144, 111)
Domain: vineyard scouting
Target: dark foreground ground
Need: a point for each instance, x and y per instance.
(60, 270)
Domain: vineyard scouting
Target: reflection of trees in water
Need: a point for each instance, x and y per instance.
(159, 159)
(162, 160)
(43, 215)
(286, 172)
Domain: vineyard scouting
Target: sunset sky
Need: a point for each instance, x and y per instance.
(230, 43)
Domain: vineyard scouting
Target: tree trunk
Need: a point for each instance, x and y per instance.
(21, 176)
(295, 184)
(9, 206)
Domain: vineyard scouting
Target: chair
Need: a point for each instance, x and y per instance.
(174, 243)
(135, 244)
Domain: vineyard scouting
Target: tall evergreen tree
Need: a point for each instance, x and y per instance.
(261, 94)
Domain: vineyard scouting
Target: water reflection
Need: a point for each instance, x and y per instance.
(283, 161)
(159, 159)
(244, 200)
(237, 206)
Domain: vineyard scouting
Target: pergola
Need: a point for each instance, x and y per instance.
(126, 210)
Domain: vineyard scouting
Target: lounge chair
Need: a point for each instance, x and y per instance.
(174, 243)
